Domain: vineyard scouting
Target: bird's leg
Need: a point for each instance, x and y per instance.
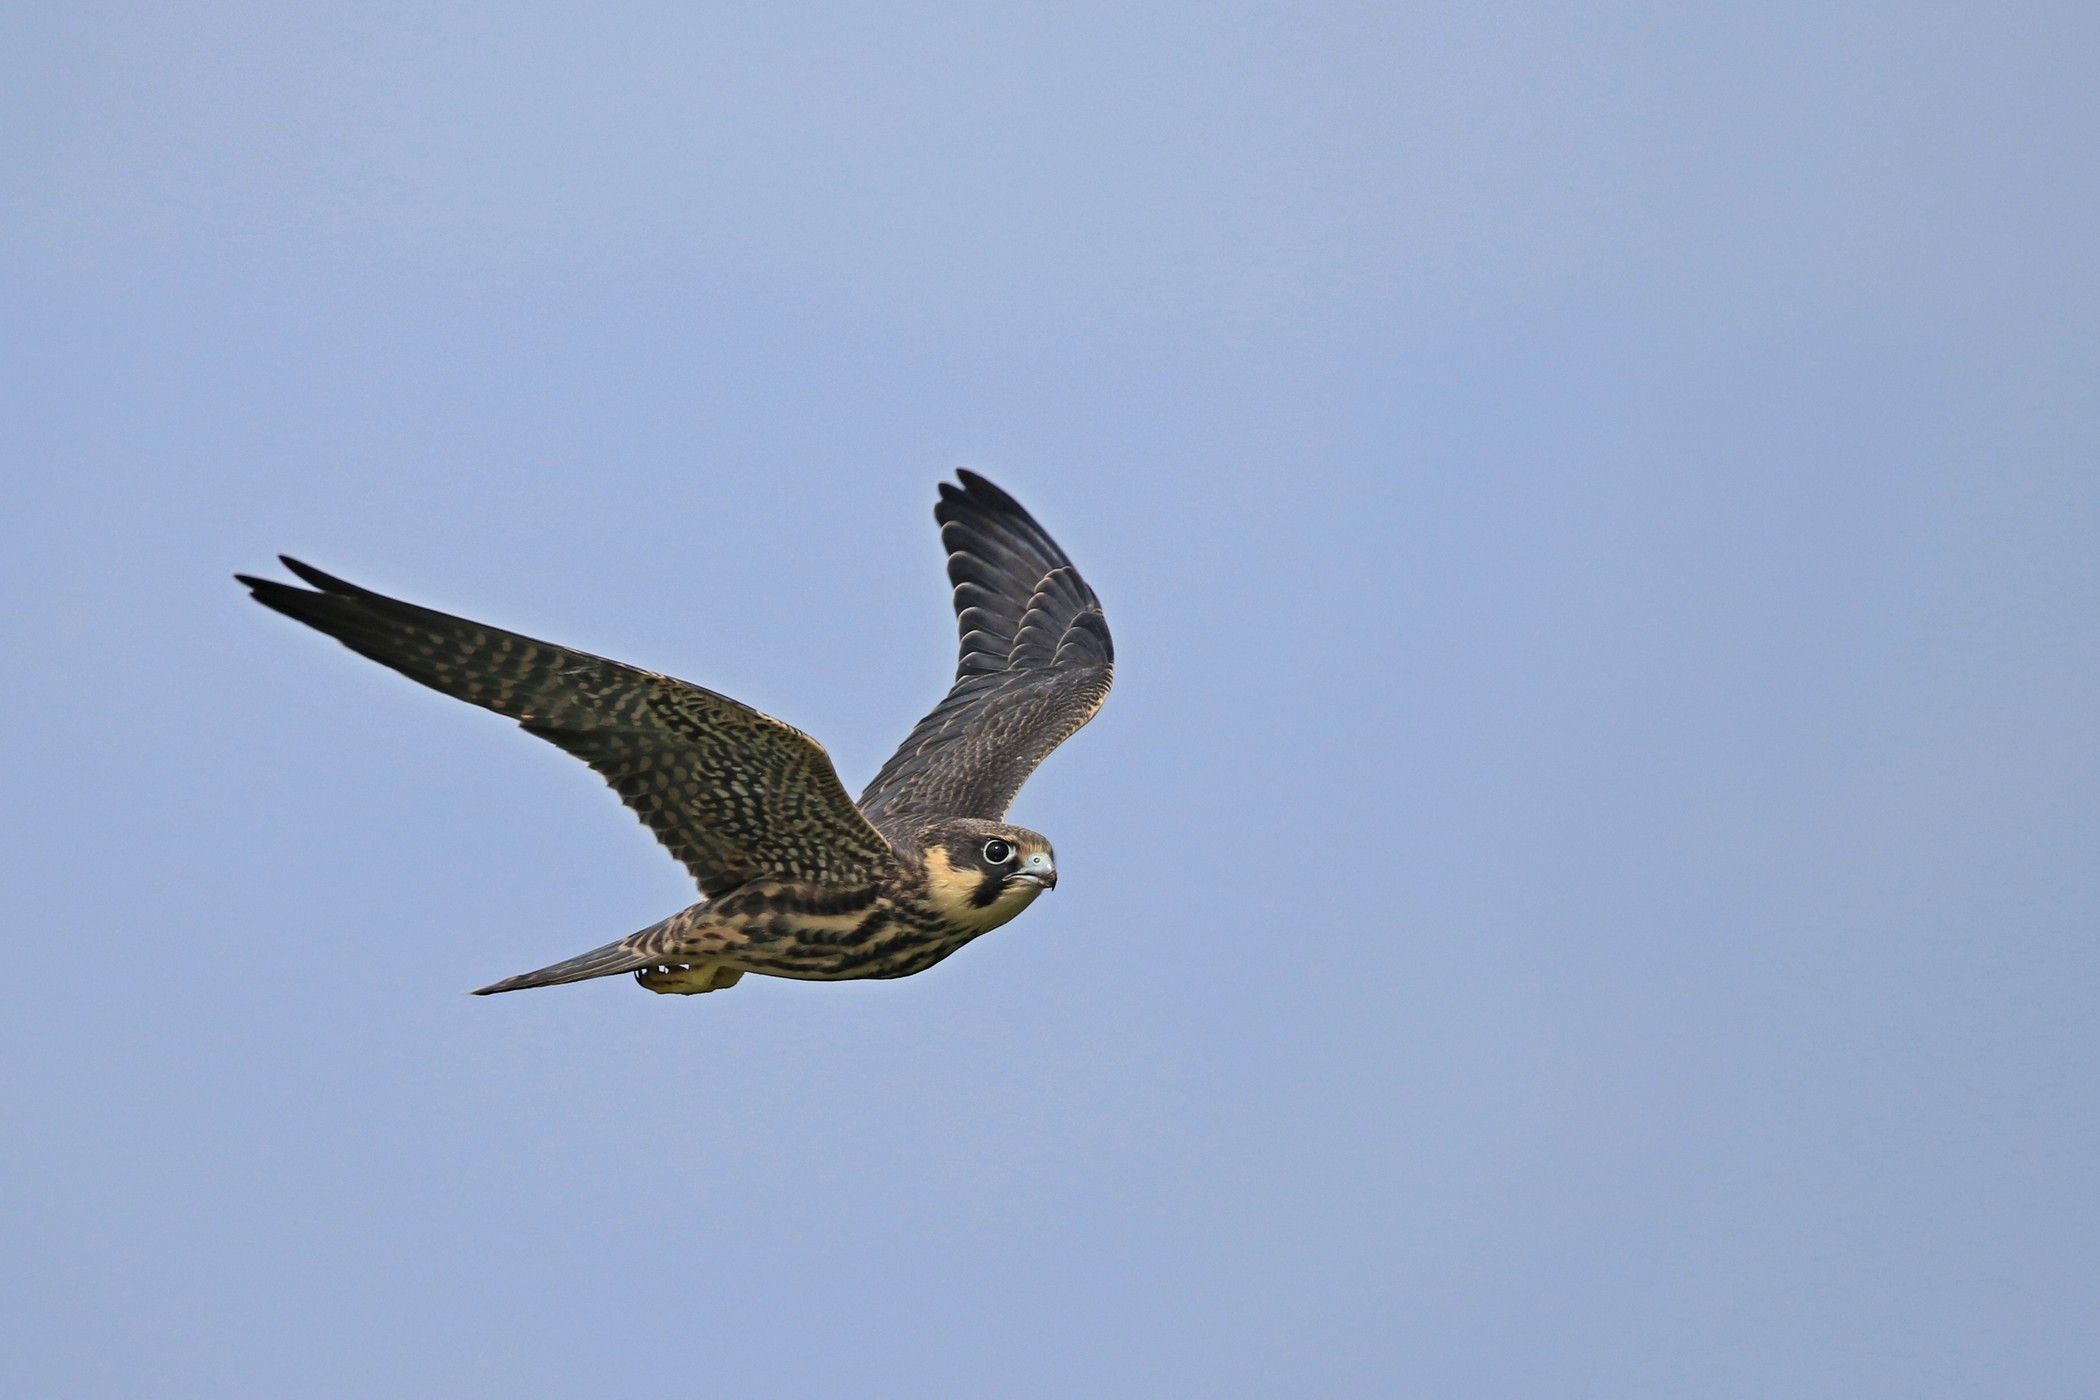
(688, 979)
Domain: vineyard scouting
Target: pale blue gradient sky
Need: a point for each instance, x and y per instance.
(1586, 886)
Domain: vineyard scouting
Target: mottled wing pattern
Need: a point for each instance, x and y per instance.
(732, 793)
(1036, 664)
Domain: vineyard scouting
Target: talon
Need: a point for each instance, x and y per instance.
(687, 979)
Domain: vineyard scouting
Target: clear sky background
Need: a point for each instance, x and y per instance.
(1587, 883)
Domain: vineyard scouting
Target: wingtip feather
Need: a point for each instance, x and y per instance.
(326, 582)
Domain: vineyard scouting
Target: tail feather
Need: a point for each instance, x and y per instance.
(608, 961)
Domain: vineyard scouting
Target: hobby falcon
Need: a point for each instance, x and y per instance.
(800, 880)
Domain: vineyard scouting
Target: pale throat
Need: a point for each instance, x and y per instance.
(953, 891)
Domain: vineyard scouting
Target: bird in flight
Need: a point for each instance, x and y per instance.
(799, 880)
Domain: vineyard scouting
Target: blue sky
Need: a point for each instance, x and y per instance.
(1585, 886)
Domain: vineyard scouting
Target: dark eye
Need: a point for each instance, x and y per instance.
(997, 852)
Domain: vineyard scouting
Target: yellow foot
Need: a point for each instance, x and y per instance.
(687, 979)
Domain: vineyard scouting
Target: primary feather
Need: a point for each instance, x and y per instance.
(1036, 662)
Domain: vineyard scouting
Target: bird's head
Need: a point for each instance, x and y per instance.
(982, 873)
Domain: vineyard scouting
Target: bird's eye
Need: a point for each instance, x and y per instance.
(997, 852)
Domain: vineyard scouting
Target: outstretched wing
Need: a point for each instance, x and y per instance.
(1036, 663)
(732, 793)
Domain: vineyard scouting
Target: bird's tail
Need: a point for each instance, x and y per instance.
(631, 954)
(613, 958)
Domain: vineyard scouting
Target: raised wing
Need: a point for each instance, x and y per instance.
(1036, 664)
(732, 793)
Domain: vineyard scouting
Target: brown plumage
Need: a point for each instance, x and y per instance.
(800, 881)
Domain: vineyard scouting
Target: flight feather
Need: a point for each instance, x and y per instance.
(1035, 664)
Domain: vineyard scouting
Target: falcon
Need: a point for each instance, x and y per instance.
(799, 879)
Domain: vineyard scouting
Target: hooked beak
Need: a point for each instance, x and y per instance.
(1041, 879)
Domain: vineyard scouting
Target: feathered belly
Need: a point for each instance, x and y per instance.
(888, 943)
(785, 933)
